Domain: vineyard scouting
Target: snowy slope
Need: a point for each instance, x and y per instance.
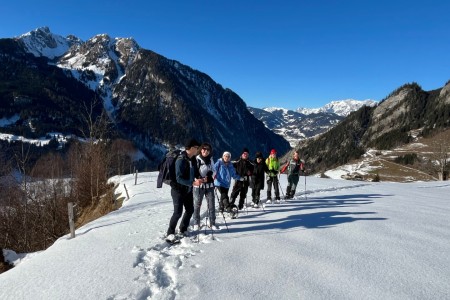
(340, 240)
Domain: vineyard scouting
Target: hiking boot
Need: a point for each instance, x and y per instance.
(171, 238)
(255, 205)
(269, 201)
(277, 201)
(214, 227)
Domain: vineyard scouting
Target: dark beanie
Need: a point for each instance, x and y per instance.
(245, 150)
(191, 143)
(259, 154)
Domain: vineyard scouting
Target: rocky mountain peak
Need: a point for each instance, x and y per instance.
(42, 42)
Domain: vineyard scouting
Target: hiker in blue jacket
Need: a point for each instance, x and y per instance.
(224, 172)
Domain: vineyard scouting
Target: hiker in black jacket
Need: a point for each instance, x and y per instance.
(244, 168)
(257, 182)
(181, 190)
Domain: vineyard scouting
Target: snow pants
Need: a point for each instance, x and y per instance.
(208, 193)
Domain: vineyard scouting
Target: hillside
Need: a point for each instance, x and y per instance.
(408, 113)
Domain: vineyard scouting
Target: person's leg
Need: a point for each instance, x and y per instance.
(188, 203)
(295, 180)
(243, 194)
(269, 187)
(235, 191)
(224, 197)
(276, 184)
(209, 195)
(177, 210)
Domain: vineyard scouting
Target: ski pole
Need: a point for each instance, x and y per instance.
(246, 204)
(306, 197)
(218, 200)
(279, 184)
(209, 216)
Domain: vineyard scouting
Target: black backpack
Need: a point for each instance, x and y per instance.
(167, 168)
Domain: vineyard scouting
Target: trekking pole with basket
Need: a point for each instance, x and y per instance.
(279, 185)
(306, 197)
(209, 217)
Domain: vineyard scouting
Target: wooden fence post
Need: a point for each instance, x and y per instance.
(71, 219)
(128, 197)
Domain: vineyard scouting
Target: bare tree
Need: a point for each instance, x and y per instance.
(22, 160)
(121, 150)
(92, 169)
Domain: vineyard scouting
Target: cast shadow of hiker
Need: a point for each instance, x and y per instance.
(312, 220)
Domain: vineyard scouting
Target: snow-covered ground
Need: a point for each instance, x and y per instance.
(340, 240)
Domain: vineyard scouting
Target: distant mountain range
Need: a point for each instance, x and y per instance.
(304, 123)
(53, 86)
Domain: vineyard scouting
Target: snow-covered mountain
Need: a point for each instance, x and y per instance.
(304, 123)
(340, 107)
(153, 101)
(41, 42)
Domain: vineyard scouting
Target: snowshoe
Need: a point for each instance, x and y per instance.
(172, 239)
(234, 211)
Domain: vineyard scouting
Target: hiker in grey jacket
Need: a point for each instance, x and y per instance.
(205, 171)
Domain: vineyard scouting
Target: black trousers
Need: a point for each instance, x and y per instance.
(239, 188)
(224, 202)
(181, 197)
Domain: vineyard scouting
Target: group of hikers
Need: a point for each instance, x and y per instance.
(198, 177)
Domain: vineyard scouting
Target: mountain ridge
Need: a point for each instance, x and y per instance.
(153, 100)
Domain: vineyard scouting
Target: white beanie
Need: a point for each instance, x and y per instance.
(227, 154)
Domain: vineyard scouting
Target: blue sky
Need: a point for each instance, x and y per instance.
(271, 53)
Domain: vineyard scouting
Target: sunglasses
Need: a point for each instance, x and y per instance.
(206, 149)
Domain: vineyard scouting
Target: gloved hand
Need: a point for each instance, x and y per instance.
(209, 178)
(241, 179)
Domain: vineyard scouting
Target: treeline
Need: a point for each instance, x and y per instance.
(36, 188)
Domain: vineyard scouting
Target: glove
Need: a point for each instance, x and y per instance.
(209, 178)
(241, 179)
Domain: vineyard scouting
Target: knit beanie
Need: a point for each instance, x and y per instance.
(226, 153)
(259, 155)
(245, 150)
(273, 151)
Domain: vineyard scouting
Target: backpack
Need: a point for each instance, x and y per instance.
(167, 168)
